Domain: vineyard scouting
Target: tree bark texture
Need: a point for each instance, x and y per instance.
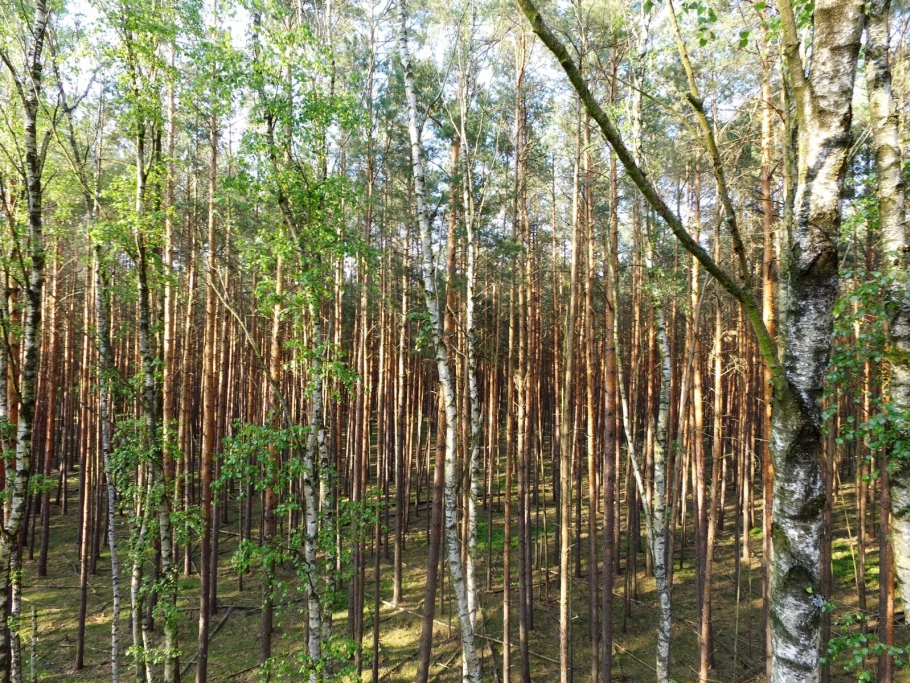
(469, 651)
(891, 188)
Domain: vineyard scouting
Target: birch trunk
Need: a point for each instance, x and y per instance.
(314, 449)
(886, 144)
(652, 526)
(566, 437)
(140, 510)
(808, 289)
(471, 334)
(270, 495)
(658, 526)
(768, 258)
(327, 482)
(29, 90)
(15, 645)
(169, 408)
(157, 501)
(471, 663)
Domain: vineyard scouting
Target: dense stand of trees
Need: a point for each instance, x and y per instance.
(369, 311)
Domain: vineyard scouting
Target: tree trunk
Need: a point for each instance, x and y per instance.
(658, 534)
(471, 335)
(887, 148)
(433, 552)
(29, 89)
(314, 443)
(610, 436)
(590, 410)
(208, 415)
(716, 502)
(768, 258)
(471, 663)
(169, 443)
(824, 116)
(567, 440)
(51, 419)
(104, 368)
(521, 375)
(823, 101)
(270, 494)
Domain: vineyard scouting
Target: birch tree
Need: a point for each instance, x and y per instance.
(891, 208)
(823, 92)
(28, 83)
(441, 353)
(86, 166)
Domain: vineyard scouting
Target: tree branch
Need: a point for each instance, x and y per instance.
(742, 294)
(693, 97)
(791, 47)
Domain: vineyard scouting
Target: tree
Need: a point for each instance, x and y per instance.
(891, 188)
(469, 651)
(823, 95)
(28, 80)
(477, 332)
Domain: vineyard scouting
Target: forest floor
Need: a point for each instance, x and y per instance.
(234, 647)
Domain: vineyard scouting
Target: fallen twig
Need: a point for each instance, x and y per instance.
(513, 645)
(626, 652)
(416, 614)
(211, 636)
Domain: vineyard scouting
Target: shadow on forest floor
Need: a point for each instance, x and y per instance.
(235, 647)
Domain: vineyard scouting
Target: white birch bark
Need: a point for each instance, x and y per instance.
(658, 532)
(808, 289)
(471, 672)
(157, 501)
(471, 334)
(145, 495)
(653, 527)
(15, 645)
(656, 506)
(138, 540)
(809, 283)
(326, 480)
(29, 90)
(886, 144)
(157, 493)
(314, 446)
